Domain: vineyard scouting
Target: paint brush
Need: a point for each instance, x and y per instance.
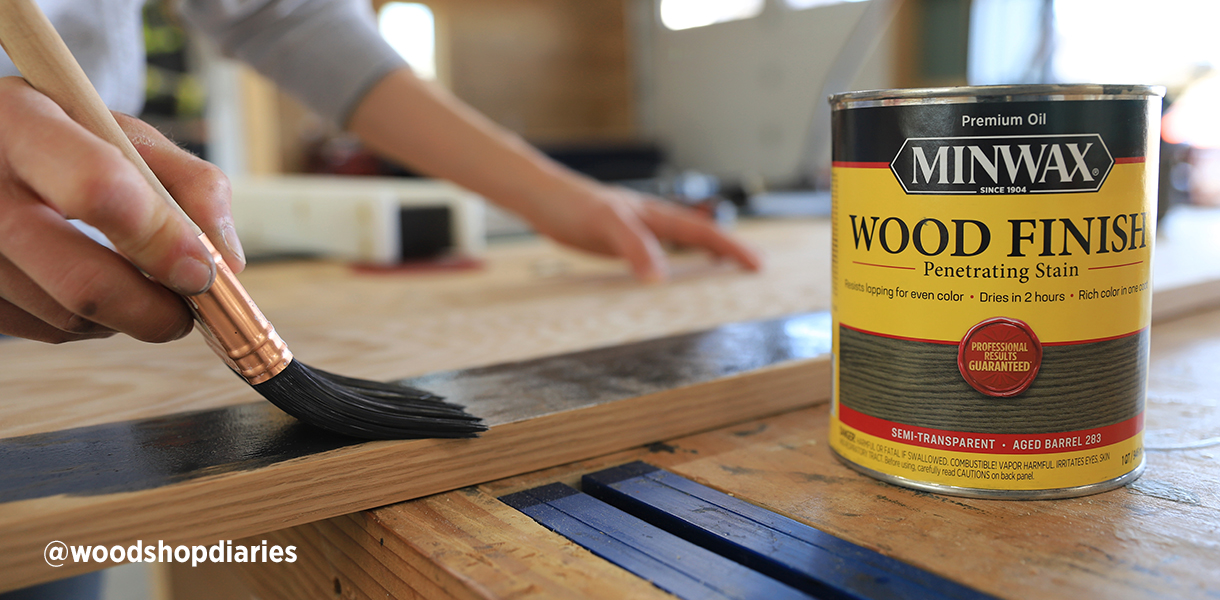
(231, 323)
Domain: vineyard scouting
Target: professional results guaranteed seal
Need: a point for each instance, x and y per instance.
(991, 261)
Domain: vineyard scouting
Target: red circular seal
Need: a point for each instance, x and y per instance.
(1000, 357)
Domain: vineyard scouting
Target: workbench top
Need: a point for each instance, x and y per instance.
(533, 299)
(530, 298)
(1158, 537)
(113, 441)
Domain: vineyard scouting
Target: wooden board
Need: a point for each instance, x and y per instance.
(532, 300)
(782, 548)
(1156, 538)
(669, 562)
(243, 470)
(505, 559)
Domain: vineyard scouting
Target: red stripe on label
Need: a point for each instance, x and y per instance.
(1116, 266)
(1094, 340)
(992, 443)
(885, 266)
(859, 165)
(1123, 161)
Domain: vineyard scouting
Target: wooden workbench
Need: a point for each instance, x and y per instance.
(111, 441)
(1156, 538)
(534, 300)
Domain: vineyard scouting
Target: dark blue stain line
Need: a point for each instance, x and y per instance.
(667, 561)
(151, 453)
(777, 546)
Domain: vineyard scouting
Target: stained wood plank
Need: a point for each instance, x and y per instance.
(773, 544)
(678, 566)
(243, 471)
(142, 455)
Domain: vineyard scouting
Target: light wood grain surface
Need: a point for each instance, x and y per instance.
(1156, 538)
(531, 299)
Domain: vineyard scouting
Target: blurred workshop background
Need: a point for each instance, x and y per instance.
(719, 103)
(700, 98)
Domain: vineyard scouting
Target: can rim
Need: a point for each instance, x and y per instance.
(994, 93)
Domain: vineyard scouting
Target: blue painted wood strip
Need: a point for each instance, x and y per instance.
(775, 545)
(669, 562)
(797, 529)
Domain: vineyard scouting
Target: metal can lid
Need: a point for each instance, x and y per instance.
(994, 93)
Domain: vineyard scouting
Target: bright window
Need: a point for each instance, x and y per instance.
(803, 4)
(1135, 41)
(686, 14)
(410, 28)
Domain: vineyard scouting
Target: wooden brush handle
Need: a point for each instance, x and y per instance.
(46, 63)
(231, 323)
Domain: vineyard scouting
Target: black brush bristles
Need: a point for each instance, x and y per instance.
(366, 409)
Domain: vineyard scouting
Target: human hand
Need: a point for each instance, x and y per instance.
(56, 284)
(422, 125)
(616, 221)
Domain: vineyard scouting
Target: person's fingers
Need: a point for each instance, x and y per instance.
(84, 177)
(50, 167)
(631, 239)
(201, 188)
(83, 277)
(20, 291)
(692, 228)
(18, 323)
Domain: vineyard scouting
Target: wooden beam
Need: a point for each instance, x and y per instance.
(244, 470)
(532, 299)
(671, 563)
(1154, 538)
(785, 549)
(366, 556)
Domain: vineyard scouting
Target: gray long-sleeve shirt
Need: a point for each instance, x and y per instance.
(326, 52)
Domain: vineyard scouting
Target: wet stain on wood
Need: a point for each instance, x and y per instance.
(656, 447)
(150, 453)
(761, 427)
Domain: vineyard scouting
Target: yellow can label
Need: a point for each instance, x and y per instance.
(991, 273)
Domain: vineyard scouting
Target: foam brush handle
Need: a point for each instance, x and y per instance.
(232, 324)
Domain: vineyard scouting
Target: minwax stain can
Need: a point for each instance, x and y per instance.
(991, 262)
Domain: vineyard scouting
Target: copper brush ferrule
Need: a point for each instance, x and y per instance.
(235, 328)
